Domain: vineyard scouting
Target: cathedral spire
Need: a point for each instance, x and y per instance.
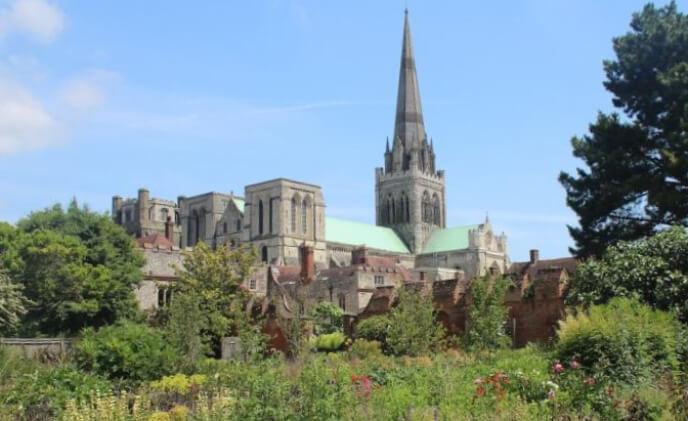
(408, 123)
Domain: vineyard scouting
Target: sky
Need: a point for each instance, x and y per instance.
(100, 98)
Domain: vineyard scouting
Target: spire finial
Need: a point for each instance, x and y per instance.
(487, 218)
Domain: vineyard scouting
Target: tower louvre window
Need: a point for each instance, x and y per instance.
(260, 217)
(304, 216)
(293, 215)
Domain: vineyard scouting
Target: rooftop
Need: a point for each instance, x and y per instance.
(358, 234)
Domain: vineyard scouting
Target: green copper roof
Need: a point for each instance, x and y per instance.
(358, 234)
(448, 239)
(239, 203)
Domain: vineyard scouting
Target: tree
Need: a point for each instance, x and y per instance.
(214, 278)
(414, 329)
(487, 314)
(654, 270)
(12, 304)
(77, 267)
(184, 330)
(637, 176)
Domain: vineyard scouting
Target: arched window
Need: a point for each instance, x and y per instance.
(270, 216)
(394, 212)
(264, 254)
(238, 224)
(390, 215)
(426, 208)
(293, 215)
(407, 216)
(260, 217)
(437, 215)
(304, 216)
(163, 214)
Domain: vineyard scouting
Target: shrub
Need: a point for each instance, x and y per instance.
(328, 318)
(329, 341)
(363, 349)
(374, 328)
(623, 340)
(487, 315)
(126, 351)
(42, 394)
(414, 329)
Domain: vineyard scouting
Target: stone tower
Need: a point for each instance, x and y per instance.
(409, 191)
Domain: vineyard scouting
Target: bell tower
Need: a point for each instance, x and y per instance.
(409, 191)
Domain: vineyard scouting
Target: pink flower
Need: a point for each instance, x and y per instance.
(558, 368)
(589, 381)
(551, 394)
(478, 381)
(575, 365)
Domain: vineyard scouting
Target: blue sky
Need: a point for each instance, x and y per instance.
(99, 98)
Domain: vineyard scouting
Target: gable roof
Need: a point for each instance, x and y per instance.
(239, 203)
(447, 239)
(358, 234)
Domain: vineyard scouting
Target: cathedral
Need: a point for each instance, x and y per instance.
(283, 217)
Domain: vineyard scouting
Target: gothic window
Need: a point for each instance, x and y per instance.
(270, 216)
(394, 212)
(406, 209)
(293, 215)
(164, 296)
(260, 217)
(264, 254)
(426, 208)
(176, 218)
(238, 224)
(163, 214)
(304, 216)
(342, 302)
(437, 215)
(224, 228)
(389, 210)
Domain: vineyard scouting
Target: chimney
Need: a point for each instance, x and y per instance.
(307, 263)
(143, 198)
(169, 229)
(359, 256)
(534, 256)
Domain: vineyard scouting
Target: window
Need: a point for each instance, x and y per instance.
(264, 254)
(304, 216)
(163, 214)
(342, 302)
(252, 285)
(127, 215)
(224, 228)
(293, 215)
(270, 216)
(238, 224)
(379, 280)
(260, 217)
(164, 297)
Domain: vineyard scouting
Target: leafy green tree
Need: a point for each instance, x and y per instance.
(77, 267)
(654, 270)
(487, 314)
(414, 329)
(637, 176)
(184, 330)
(12, 304)
(214, 278)
(328, 318)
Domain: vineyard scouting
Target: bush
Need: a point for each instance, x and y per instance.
(374, 328)
(363, 349)
(623, 340)
(126, 351)
(487, 315)
(329, 341)
(42, 394)
(328, 318)
(413, 326)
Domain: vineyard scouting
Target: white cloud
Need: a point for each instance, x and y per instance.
(24, 123)
(87, 91)
(38, 19)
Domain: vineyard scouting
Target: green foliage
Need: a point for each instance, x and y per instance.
(363, 349)
(12, 304)
(637, 163)
(183, 330)
(374, 328)
(623, 340)
(328, 318)
(77, 267)
(414, 329)
(42, 394)
(329, 341)
(655, 270)
(127, 352)
(487, 314)
(213, 278)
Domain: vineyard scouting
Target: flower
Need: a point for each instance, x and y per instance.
(478, 381)
(558, 368)
(551, 394)
(505, 379)
(354, 378)
(589, 381)
(574, 365)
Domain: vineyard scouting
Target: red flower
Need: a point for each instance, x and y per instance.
(354, 378)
